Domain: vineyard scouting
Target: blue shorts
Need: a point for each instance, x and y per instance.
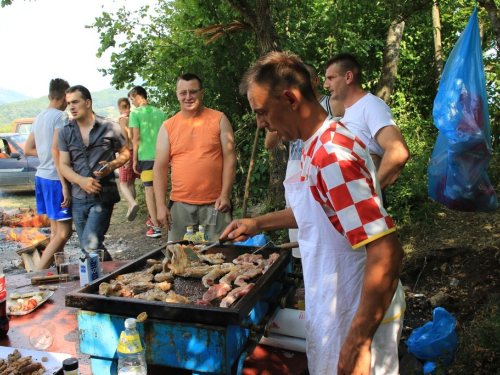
(49, 197)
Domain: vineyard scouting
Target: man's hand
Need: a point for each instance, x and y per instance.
(89, 185)
(66, 196)
(135, 167)
(163, 215)
(105, 169)
(241, 229)
(354, 359)
(223, 204)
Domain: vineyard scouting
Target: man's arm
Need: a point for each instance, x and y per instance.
(65, 185)
(272, 140)
(123, 157)
(30, 146)
(382, 270)
(395, 156)
(88, 184)
(242, 229)
(223, 203)
(136, 140)
(160, 173)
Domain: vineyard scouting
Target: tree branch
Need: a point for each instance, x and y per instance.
(246, 11)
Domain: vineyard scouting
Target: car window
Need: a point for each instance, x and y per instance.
(3, 152)
(19, 140)
(23, 128)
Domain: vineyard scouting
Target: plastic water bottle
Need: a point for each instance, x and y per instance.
(201, 236)
(190, 235)
(131, 351)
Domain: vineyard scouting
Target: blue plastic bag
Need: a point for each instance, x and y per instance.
(457, 170)
(435, 340)
(258, 240)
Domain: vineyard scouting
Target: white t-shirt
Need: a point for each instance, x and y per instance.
(43, 128)
(365, 118)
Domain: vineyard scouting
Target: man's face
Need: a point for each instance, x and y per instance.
(135, 99)
(335, 82)
(271, 113)
(189, 94)
(78, 107)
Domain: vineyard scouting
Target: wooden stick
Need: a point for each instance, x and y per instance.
(247, 185)
(41, 279)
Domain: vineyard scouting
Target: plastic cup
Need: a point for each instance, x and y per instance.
(61, 260)
(41, 338)
(212, 216)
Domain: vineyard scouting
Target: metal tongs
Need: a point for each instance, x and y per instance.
(216, 243)
(290, 245)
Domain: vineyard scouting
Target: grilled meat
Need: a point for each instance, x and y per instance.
(215, 273)
(235, 294)
(217, 258)
(172, 297)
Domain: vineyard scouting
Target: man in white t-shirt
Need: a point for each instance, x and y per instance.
(334, 109)
(368, 117)
(52, 190)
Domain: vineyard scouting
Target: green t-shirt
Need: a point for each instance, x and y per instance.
(149, 120)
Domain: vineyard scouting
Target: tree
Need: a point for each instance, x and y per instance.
(438, 48)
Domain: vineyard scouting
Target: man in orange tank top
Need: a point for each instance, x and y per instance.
(198, 145)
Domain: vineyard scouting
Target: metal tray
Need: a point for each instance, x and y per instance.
(87, 298)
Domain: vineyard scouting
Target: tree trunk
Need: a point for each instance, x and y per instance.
(492, 10)
(438, 48)
(390, 61)
(262, 23)
(495, 130)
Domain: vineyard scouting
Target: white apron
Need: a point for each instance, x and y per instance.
(333, 276)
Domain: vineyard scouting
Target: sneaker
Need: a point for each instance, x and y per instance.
(153, 232)
(132, 213)
(149, 223)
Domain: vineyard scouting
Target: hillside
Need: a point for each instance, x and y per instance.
(104, 103)
(9, 96)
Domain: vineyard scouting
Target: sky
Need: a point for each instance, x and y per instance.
(46, 39)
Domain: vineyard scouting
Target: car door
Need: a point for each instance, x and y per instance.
(13, 170)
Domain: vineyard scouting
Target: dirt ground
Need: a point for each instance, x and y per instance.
(453, 261)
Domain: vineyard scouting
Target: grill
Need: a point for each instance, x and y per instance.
(204, 339)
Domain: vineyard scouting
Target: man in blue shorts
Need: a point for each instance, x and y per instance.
(53, 196)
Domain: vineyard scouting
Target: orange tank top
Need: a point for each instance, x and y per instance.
(196, 157)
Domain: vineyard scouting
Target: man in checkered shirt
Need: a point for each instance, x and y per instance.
(351, 256)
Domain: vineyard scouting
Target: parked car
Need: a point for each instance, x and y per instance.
(22, 125)
(17, 171)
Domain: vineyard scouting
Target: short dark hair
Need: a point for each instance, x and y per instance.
(139, 90)
(123, 100)
(83, 90)
(57, 88)
(190, 77)
(347, 62)
(279, 71)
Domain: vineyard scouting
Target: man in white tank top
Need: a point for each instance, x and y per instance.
(368, 117)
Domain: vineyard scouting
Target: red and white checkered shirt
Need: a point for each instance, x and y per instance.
(343, 180)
